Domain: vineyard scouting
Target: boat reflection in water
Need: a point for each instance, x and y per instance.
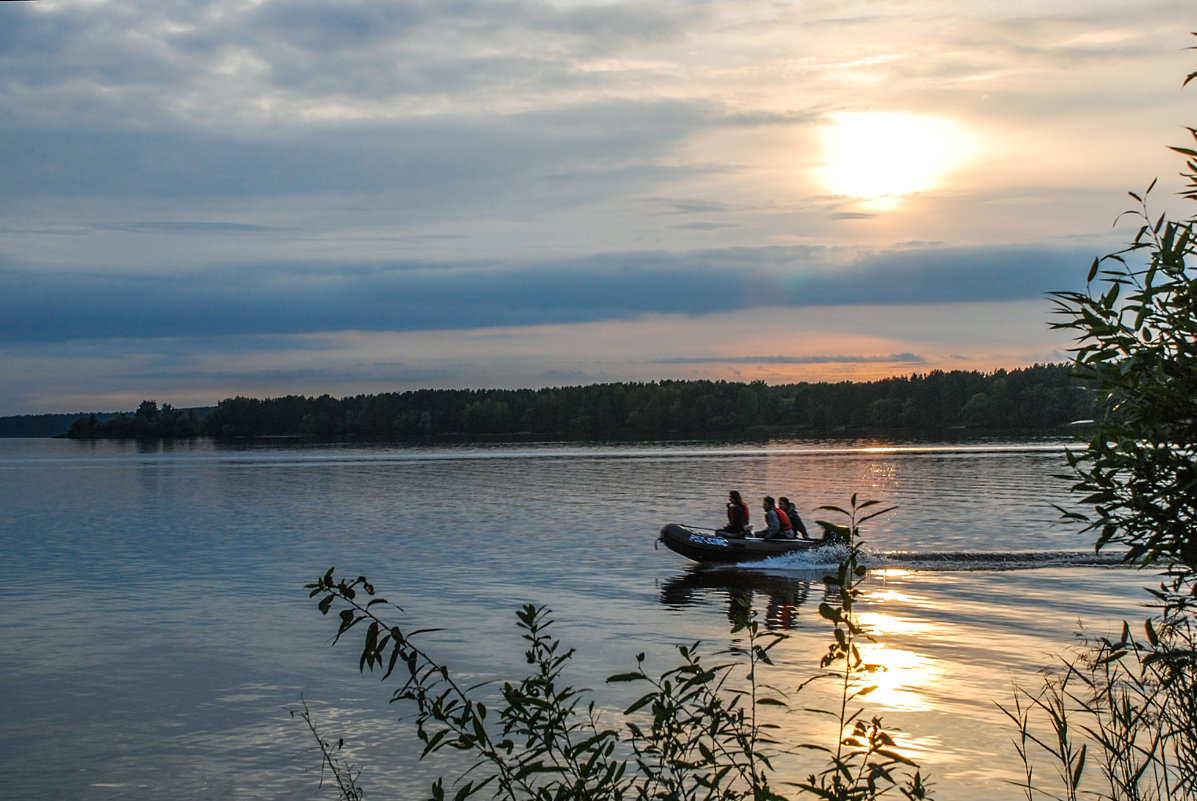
(776, 597)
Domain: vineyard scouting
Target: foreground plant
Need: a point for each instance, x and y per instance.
(332, 762)
(1136, 335)
(864, 760)
(1123, 705)
(701, 737)
(1128, 703)
(699, 731)
(1137, 346)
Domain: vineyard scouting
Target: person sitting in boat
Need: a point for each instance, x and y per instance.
(787, 506)
(777, 521)
(737, 515)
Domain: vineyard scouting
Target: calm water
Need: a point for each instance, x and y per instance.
(156, 634)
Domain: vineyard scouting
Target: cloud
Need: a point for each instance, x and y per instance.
(892, 358)
(184, 227)
(302, 60)
(291, 298)
(702, 226)
(241, 194)
(452, 161)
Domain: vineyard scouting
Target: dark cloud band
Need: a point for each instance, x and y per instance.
(290, 298)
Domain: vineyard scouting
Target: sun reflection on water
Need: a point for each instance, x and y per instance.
(890, 572)
(899, 677)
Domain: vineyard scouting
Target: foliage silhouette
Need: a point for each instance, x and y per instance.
(1128, 703)
(148, 422)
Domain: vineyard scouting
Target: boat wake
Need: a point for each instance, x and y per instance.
(986, 560)
(939, 561)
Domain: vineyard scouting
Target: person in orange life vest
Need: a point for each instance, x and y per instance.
(791, 511)
(737, 515)
(779, 525)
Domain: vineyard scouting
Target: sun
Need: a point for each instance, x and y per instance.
(876, 156)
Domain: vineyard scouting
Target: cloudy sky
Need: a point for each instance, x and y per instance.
(208, 198)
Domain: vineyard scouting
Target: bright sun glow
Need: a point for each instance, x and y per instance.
(878, 156)
(901, 677)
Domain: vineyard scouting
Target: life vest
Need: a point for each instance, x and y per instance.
(737, 514)
(783, 520)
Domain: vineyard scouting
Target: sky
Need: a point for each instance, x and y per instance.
(201, 199)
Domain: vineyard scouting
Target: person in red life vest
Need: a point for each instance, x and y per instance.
(779, 525)
(737, 515)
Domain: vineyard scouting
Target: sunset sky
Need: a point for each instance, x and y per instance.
(208, 198)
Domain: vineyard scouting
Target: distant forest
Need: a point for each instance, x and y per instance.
(1038, 398)
(40, 425)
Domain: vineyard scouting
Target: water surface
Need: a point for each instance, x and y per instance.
(156, 633)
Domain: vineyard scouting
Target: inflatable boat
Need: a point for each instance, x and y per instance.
(707, 545)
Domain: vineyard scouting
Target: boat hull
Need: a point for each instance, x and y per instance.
(717, 548)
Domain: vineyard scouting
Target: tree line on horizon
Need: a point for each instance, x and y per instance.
(1039, 397)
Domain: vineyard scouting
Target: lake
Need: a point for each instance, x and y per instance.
(156, 633)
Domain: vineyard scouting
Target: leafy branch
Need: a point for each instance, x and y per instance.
(863, 763)
(1131, 701)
